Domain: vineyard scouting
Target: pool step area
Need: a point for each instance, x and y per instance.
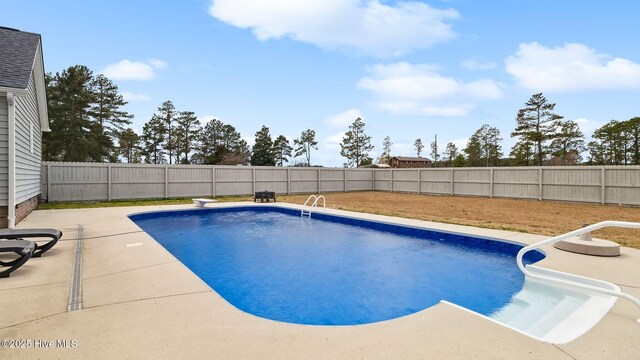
(537, 308)
(556, 313)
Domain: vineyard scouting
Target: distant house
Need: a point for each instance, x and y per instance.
(410, 162)
(23, 118)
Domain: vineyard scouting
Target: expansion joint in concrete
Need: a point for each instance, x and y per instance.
(75, 290)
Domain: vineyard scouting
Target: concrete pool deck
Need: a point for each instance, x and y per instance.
(141, 302)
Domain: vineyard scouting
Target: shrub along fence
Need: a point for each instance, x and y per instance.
(93, 181)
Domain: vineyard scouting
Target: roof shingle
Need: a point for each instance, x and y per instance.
(411, 158)
(17, 54)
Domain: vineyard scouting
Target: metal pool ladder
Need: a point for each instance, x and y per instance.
(313, 204)
(600, 225)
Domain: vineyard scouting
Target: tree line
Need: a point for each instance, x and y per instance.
(544, 138)
(88, 125)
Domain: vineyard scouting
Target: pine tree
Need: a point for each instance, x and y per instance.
(434, 150)
(283, 150)
(231, 139)
(633, 125)
(101, 148)
(263, 153)
(168, 115)
(187, 132)
(459, 161)
(490, 142)
(129, 146)
(305, 143)
(106, 111)
(73, 134)
(483, 148)
(385, 158)
(85, 116)
(153, 136)
(596, 153)
(568, 144)
(522, 153)
(235, 149)
(355, 145)
(450, 153)
(474, 152)
(240, 155)
(221, 144)
(210, 149)
(536, 123)
(419, 146)
(614, 142)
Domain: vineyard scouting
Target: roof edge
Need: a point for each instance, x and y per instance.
(38, 73)
(17, 91)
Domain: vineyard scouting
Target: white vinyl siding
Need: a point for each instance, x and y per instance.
(31, 138)
(27, 160)
(4, 149)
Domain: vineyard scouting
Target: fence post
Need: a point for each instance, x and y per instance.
(373, 180)
(288, 180)
(213, 181)
(48, 182)
(391, 181)
(253, 180)
(491, 183)
(318, 175)
(419, 181)
(540, 184)
(451, 174)
(109, 182)
(166, 181)
(603, 188)
(344, 178)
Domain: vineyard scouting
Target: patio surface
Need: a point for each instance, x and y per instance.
(141, 302)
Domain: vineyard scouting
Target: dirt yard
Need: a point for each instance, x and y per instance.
(531, 216)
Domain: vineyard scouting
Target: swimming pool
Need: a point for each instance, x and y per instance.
(333, 270)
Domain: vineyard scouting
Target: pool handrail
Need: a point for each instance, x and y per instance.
(314, 204)
(586, 229)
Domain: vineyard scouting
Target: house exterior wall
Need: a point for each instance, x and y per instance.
(28, 155)
(4, 149)
(397, 163)
(22, 210)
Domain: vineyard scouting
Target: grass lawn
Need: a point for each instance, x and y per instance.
(530, 216)
(118, 203)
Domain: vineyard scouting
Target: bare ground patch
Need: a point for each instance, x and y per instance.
(530, 216)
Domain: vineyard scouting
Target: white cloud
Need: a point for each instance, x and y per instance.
(475, 65)
(133, 70)
(343, 119)
(204, 119)
(459, 143)
(572, 67)
(129, 97)
(367, 26)
(405, 88)
(588, 126)
(333, 142)
(157, 63)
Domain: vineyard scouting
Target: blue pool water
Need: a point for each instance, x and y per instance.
(330, 270)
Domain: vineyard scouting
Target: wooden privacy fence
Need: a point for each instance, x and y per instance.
(92, 181)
